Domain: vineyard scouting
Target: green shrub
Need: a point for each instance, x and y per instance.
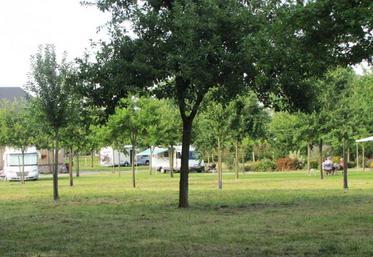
(314, 164)
(265, 165)
(250, 166)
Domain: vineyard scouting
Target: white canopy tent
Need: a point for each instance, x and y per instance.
(362, 140)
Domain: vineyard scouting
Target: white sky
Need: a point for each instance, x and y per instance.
(24, 24)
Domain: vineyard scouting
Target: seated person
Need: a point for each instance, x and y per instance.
(327, 165)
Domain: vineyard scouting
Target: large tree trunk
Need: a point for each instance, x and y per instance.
(320, 160)
(237, 161)
(55, 171)
(345, 163)
(308, 157)
(71, 156)
(184, 168)
(220, 170)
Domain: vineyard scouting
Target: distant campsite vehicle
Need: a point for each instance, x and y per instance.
(161, 161)
(143, 159)
(110, 157)
(13, 164)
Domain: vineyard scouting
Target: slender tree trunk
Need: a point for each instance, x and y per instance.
(49, 162)
(52, 153)
(243, 162)
(253, 154)
(348, 154)
(208, 160)
(237, 160)
(171, 161)
(23, 166)
(345, 166)
(151, 160)
(220, 170)
(55, 171)
(118, 163)
(92, 157)
(357, 155)
(308, 157)
(320, 160)
(184, 167)
(77, 163)
(113, 161)
(71, 156)
(363, 157)
(133, 158)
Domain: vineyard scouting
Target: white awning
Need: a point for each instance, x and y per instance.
(365, 139)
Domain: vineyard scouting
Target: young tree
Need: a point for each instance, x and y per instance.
(169, 129)
(246, 119)
(214, 120)
(131, 121)
(48, 84)
(17, 128)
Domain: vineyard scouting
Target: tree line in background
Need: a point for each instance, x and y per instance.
(198, 56)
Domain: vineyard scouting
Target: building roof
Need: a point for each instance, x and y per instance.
(12, 93)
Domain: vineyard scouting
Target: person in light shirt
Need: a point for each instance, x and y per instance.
(327, 166)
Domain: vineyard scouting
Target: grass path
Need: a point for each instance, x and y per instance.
(261, 214)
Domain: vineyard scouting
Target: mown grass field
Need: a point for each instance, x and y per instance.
(261, 214)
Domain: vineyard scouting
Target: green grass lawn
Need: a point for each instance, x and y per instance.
(261, 214)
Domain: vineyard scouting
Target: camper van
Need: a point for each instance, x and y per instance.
(110, 157)
(161, 162)
(12, 159)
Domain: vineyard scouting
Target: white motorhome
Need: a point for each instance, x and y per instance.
(13, 164)
(110, 157)
(160, 159)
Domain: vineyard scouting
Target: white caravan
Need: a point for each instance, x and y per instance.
(161, 162)
(13, 164)
(108, 157)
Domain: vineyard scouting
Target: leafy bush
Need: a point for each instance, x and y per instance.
(314, 164)
(250, 166)
(265, 165)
